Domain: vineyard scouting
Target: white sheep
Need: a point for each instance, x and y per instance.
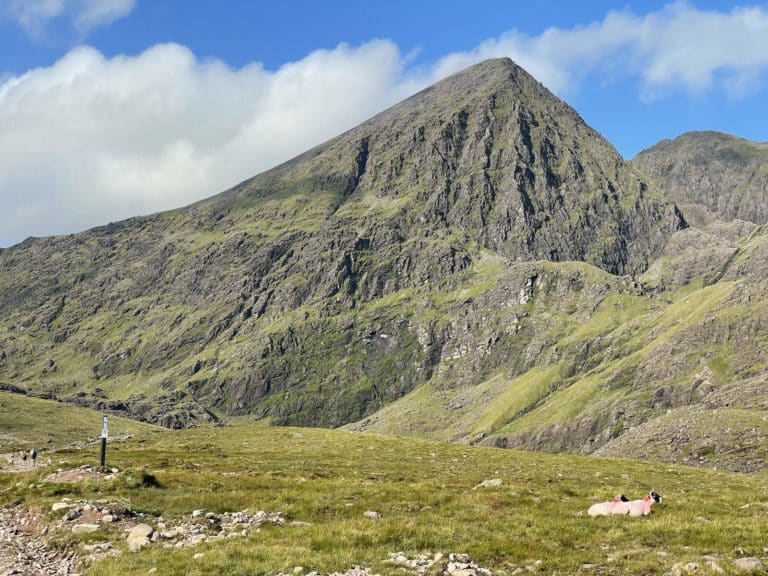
(606, 508)
(639, 507)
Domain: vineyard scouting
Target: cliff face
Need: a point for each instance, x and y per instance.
(725, 174)
(321, 290)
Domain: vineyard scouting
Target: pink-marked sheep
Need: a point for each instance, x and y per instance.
(641, 507)
(607, 508)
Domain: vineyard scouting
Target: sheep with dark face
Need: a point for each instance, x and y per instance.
(606, 508)
(640, 507)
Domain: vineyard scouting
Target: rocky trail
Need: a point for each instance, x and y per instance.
(25, 549)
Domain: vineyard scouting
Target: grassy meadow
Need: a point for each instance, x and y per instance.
(425, 493)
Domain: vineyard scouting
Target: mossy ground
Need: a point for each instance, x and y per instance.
(424, 492)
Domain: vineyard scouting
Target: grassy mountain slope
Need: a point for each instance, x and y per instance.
(615, 366)
(425, 493)
(624, 371)
(322, 290)
(27, 423)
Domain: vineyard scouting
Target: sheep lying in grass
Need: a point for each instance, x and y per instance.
(607, 508)
(641, 507)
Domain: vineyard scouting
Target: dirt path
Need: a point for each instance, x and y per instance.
(15, 463)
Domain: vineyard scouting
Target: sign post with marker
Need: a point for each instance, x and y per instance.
(103, 461)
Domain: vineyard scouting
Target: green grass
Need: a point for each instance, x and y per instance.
(424, 491)
(43, 424)
(522, 393)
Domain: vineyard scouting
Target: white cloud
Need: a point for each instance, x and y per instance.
(679, 46)
(34, 15)
(90, 139)
(95, 13)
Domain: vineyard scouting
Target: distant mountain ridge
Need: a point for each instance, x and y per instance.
(726, 174)
(473, 264)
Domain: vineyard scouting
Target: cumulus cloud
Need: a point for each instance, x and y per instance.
(679, 46)
(34, 15)
(91, 139)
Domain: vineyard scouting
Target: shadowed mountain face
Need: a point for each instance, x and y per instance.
(726, 175)
(321, 290)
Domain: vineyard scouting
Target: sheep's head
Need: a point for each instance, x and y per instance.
(621, 498)
(655, 496)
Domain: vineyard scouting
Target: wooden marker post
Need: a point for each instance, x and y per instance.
(103, 461)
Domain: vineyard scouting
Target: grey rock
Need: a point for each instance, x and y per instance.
(139, 536)
(84, 528)
(747, 564)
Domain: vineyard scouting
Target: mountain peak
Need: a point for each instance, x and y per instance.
(274, 298)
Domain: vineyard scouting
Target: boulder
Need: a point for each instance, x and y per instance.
(747, 564)
(139, 536)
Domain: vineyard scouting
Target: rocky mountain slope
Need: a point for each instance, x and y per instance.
(333, 284)
(725, 174)
(474, 264)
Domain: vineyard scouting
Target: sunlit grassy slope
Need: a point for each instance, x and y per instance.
(424, 492)
(32, 422)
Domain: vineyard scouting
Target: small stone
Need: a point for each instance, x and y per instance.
(492, 483)
(97, 547)
(60, 506)
(462, 558)
(197, 513)
(715, 568)
(371, 515)
(84, 528)
(298, 569)
(691, 567)
(747, 564)
(72, 514)
(198, 556)
(107, 518)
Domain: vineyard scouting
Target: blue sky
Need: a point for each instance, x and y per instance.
(111, 108)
